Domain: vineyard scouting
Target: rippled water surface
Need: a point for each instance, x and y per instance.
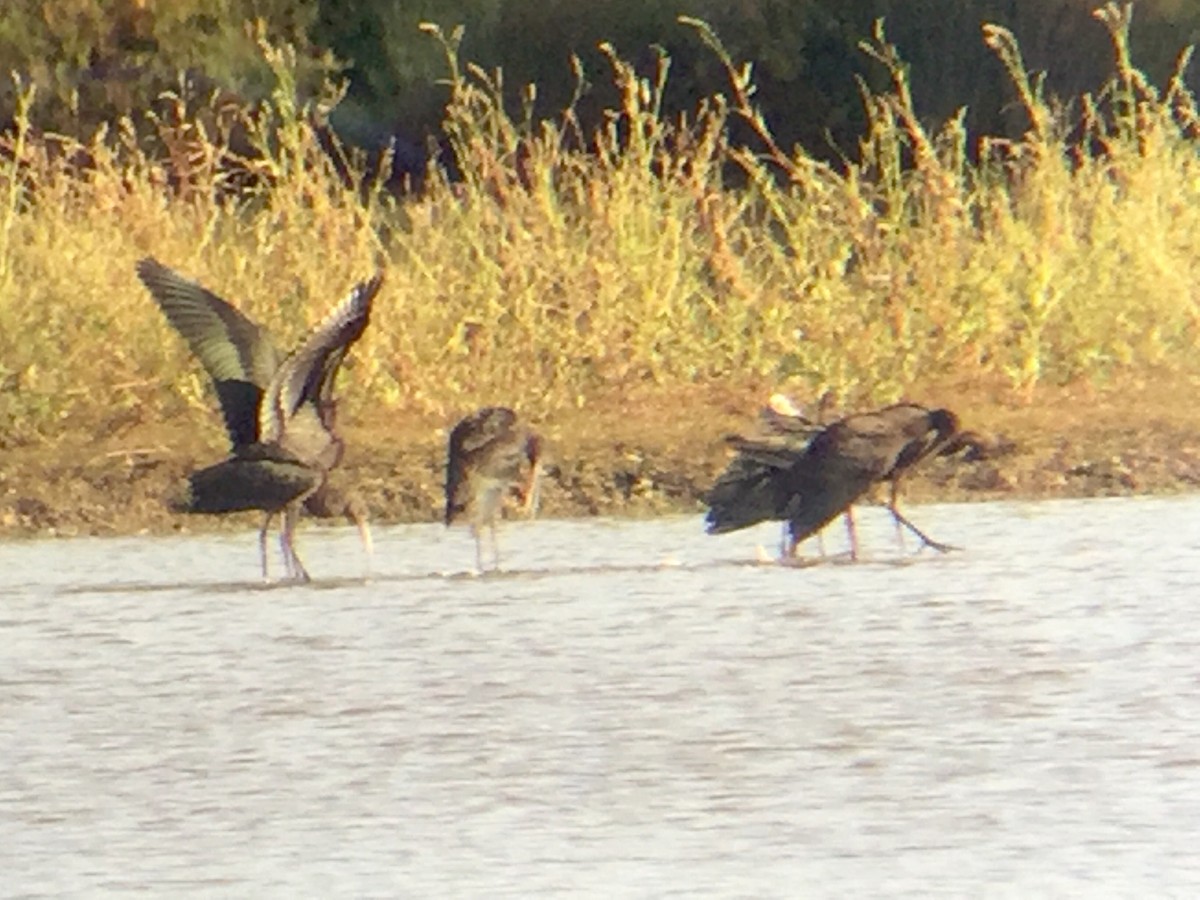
(628, 709)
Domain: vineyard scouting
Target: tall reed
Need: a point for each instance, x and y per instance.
(561, 265)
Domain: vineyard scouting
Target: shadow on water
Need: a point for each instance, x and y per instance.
(471, 576)
(214, 587)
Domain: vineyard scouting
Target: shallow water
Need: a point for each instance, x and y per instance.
(627, 709)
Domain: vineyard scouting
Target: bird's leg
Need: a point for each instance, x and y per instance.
(787, 549)
(852, 533)
(790, 547)
(285, 551)
(262, 546)
(495, 547)
(926, 540)
(291, 561)
(892, 501)
(478, 547)
(291, 516)
(289, 565)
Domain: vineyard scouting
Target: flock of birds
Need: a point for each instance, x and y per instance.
(280, 413)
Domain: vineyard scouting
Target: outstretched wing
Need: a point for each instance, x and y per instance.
(237, 354)
(307, 374)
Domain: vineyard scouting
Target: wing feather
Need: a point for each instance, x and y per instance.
(306, 375)
(237, 354)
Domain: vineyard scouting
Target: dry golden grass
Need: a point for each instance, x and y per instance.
(564, 267)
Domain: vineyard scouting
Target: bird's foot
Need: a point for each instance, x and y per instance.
(299, 575)
(926, 540)
(936, 545)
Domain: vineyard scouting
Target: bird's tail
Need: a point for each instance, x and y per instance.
(744, 495)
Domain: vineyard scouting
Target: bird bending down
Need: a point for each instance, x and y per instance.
(490, 457)
(280, 414)
(809, 483)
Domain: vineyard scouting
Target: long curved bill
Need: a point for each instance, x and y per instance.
(364, 533)
(533, 489)
(355, 510)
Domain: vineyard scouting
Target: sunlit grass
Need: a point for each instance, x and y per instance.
(564, 266)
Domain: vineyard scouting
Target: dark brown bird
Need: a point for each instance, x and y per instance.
(490, 457)
(808, 484)
(280, 414)
(747, 492)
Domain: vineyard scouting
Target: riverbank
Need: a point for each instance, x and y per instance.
(650, 452)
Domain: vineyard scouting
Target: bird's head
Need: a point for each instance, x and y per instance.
(944, 423)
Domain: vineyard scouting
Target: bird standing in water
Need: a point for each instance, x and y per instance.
(808, 486)
(748, 491)
(490, 457)
(280, 414)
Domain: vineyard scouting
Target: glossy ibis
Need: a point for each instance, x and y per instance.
(490, 456)
(749, 490)
(280, 413)
(809, 481)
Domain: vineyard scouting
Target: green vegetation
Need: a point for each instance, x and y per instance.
(567, 265)
(96, 60)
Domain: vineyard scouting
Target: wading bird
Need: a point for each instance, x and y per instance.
(490, 457)
(809, 483)
(280, 414)
(748, 491)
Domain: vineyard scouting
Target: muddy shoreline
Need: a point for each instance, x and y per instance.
(636, 455)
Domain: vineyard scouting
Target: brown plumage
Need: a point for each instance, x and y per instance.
(490, 456)
(809, 482)
(748, 491)
(280, 414)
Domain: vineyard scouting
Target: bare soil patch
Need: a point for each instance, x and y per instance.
(643, 452)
